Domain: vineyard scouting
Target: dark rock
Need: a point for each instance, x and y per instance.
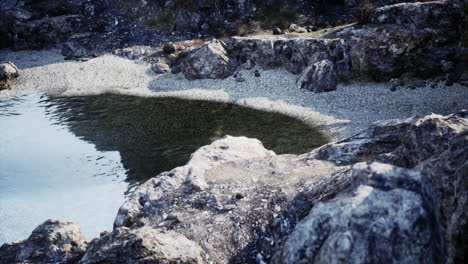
(320, 77)
(209, 61)
(390, 216)
(54, 241)
(257, 73)
(169, 48)
(8, 72)
(142, 245)
(277, 31)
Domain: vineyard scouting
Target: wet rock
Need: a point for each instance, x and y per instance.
(54, 241)
(209, 61)
(8, 72)
(320, 77)
(142, 245)
(390, 216)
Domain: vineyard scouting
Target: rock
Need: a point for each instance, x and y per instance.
(297, 29)
(295, 54)
(277, 31)
(320, 77)
(200, 200)
(395, 83)
(54, 241)
(8, 72)
(390, 216)
(143, 245)
(209, 61)
(257, 73)
(169, 48)
(160, 67)
(447, 172)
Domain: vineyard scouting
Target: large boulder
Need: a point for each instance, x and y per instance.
(8, 72)
(54, 241)
(390, 217)
(143, 245)
(235, 199)
(320, 77)
(208, 62)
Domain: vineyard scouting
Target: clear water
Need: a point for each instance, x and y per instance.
(76, 158)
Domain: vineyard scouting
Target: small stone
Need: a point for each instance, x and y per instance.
(169, 48)
(240, 196)
(277, 31)
(257, 73)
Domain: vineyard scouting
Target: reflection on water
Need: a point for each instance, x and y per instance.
(74, 158)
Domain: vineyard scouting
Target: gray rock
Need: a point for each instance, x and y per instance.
(160, 67)
(54, 241)
(320, 77)
(201, 199)
(389, 217)
(448, 174)
(8, 72)
(142, 245)
(209, 61)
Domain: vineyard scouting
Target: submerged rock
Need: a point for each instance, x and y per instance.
(390, 217)
(8, 72)
(209, 61)
(143, 245)
(320, 77)
(54, 241)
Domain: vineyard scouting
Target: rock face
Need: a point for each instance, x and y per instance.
(144, 245)
(209, 61)
(8, 72)
(54, 241)
(320, 77)
(390, 216)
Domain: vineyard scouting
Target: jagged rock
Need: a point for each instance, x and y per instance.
(294, 54)
(54, 241)
(448, 174)
(431, 134)
(389, 217)
(201, 199)
(8, 72)
(320, 77)
(142, 245)
(209, 61)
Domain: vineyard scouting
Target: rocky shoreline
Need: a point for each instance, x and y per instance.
(396, 191)
(398, 188)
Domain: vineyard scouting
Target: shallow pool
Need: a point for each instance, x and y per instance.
(75, 158)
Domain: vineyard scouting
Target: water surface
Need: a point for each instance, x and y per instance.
(75, 158)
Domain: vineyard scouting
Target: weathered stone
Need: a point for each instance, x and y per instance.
(54, 241)
(209, 61)
(390, 216)
(297, 29)
(160, 67)
(8, 72)
(142, 245)
(320, 77)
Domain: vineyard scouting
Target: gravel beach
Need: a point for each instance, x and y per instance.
(341, 113)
